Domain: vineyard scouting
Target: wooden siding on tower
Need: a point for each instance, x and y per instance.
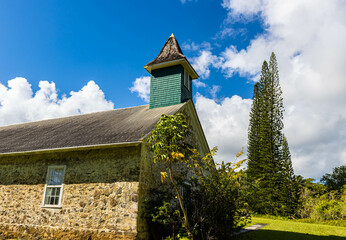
(165, 88)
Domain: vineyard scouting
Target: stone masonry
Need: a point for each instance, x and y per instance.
(100, 196)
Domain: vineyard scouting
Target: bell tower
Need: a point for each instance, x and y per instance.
(171, 76)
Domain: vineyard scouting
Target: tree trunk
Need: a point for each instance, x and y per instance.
(186, 220)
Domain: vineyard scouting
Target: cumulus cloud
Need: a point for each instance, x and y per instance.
(203, 60)
(214, 90)
(142, 87)
(225, 124)
(308, 39)
(19, 104)
(197, 83)
(240, 8)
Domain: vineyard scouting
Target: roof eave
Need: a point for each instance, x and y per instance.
(187, 66)
(75, 148)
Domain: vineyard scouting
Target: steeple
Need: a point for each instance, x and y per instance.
(171, 76)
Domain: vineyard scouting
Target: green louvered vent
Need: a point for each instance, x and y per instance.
(167, 87)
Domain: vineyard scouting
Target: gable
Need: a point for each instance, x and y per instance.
(190, 112)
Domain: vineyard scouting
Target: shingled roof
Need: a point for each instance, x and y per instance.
(170, 51)
(170, 55)
(126, 125)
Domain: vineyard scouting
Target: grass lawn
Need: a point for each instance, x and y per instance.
(290, 230)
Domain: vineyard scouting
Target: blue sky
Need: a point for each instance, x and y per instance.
(61, 58)
(72, 42)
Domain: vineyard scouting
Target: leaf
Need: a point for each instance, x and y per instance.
(239, 153)
(164, 175)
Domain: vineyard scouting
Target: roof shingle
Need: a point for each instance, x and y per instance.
(107, 127)
(170, 51)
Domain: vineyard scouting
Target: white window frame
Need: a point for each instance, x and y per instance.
(54, 186)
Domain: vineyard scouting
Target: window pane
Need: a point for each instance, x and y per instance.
(56, 176)
(57, 193)
(52, 196)
(190, 84)
(49, 191)
(46, 200)
(185, 78)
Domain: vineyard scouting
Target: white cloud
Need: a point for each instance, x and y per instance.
(142, 87)
(214, 90)
(239, 8)
(204, 59)
(184, 1)
(19, 104)
(225, 124)
(308, 39)
(230, 32)
(203, 62)
(199, 83)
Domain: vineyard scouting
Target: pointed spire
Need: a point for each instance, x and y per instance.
(170, 51)
(171, 55)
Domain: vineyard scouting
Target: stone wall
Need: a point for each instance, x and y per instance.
(100, 197)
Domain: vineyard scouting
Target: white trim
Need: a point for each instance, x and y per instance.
(57, 186)
(183, 61)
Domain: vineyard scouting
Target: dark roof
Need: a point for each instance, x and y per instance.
(170, 51)
(108, 127)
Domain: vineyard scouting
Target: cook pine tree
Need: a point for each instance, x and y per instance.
(270, 171)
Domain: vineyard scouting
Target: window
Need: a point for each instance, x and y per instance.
(190, 83)
(187, 80)
(54, 186)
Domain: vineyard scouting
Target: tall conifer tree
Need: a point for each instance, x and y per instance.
(253, 147)
(290, 186)
(269, 165)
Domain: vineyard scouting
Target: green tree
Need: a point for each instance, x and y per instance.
(290, 186)
(219, 199)
(269, 165)
(216, 203)
(336, 180)
(253, 138)
(170, 146)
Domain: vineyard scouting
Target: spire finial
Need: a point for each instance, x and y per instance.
(172, 35)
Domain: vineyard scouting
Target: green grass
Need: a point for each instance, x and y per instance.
(290, 230)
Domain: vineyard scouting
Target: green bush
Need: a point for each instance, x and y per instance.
(214, 201)
(326, 210)
(330, 206)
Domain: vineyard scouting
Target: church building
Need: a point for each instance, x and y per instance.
(88, 176)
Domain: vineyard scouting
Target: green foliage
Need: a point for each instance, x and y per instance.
(319, 205)
(220, 194)
(167, 215)
(336, 180)
(170, 138)
(216, 203)
(270, 176)
(169, 142)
